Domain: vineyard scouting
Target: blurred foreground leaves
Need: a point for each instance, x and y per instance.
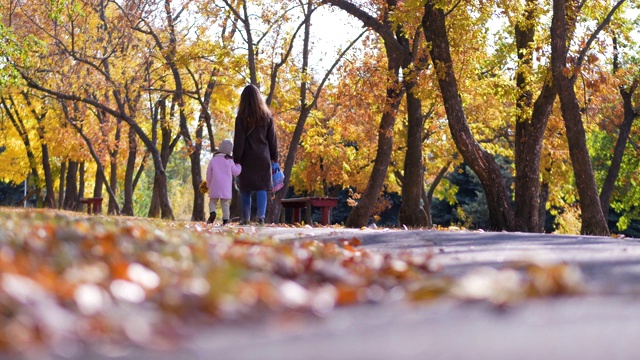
(68, 279)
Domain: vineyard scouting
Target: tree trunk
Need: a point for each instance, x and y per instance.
(196, 178)
(113, 170)
(618, 152)
(361, 213)
(274, 208)
(63, 173)
(398, 55)
(160, 162)
(156, 207)
(593, 221)
(127, 206)
(529, 131)
(427, 195)
(160, 183)
(527, 184)
(528, 151)
(160, 204)
(273, 203)
(50, 197)
(81, 179)
(205, 115)
(253, 73)
(97, 189)
(480, 161)
(194, 146)
(412, 214)
(71, 192)
(161, 158)
(426, 201)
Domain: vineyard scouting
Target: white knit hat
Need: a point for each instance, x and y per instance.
(226, 146)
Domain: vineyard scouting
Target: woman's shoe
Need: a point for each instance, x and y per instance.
(244, 222)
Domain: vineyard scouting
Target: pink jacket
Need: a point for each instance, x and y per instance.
(220, 173)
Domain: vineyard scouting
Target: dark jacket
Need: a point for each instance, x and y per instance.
(255, 149)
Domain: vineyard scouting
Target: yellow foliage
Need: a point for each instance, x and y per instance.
(568, 220)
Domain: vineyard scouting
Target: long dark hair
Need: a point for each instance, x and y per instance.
(252, 108)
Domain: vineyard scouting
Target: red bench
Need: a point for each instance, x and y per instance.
(93, 204)
(296, 205)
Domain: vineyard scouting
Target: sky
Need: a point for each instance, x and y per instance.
(331, 30)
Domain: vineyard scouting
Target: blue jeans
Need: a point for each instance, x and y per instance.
(261, 204)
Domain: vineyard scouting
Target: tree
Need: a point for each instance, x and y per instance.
(49, 199)
(399, 56)
(306, 106)
(15, 117)
(266, 27)
(71, 196)
(480, 161)
(629, 116)
(76, 65)
(338, 148)
(593, 221)
(530, 122)
(168, 48)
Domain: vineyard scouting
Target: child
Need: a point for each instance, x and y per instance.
(220, 173)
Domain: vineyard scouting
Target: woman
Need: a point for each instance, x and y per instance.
(255, 148)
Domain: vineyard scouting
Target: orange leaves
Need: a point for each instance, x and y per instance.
(351, 245)
(135, 280)
(430, 289)
(90, 268)
(203, 187)
(502, 286)
(353, 198)
(556, 279)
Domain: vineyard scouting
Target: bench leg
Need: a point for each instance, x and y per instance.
(296, 215)
(326, 215)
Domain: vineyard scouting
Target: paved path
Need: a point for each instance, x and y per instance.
(604, 323)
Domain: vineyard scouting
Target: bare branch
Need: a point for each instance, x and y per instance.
(369, 21)
(595, 34)
(333, 66)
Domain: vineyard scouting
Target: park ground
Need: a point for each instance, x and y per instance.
(488, 296)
